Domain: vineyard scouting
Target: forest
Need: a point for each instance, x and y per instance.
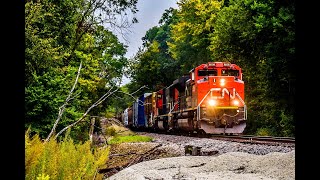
(74, 61)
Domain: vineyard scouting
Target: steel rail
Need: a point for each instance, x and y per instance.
(238, 138)
(256, 139)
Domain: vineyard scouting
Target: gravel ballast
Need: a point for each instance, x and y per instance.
(177, 144)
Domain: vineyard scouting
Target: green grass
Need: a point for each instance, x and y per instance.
(131, 138)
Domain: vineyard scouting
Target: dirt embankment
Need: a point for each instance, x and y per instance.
(127, 154)
(124, 155)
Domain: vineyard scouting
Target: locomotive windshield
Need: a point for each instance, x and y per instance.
(207, 72)
(229, 72)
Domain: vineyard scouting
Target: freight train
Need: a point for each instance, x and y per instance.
(209, 100)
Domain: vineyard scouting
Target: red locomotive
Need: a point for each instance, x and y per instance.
(208, 100)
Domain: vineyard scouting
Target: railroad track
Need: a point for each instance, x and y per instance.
(290, 141)
(255, 139)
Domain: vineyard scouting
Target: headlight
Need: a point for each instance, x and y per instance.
(222, 82)
(212, 102)
(235, 102)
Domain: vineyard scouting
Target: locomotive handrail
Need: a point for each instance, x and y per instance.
(198, 107)
(237, 94)
(244, 105)
(174, 104)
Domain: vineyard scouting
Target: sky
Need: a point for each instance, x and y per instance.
(149, 14)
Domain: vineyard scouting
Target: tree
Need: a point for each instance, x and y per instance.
(190, 34)
(154, 58)
(259, 36)
(60, 35)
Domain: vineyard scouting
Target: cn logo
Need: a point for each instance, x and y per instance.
(225, 91)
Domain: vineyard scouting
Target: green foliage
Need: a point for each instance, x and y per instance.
(63, 160)
(155, 59)
(257, 35)
(43, 177)
(287, 124)
(191, 32)
(60, 35)
(131, 138)
(263, 132)
(120, 101)
(148, 64)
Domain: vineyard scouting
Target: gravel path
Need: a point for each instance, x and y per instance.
(234, 161)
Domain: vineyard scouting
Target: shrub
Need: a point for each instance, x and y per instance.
(111, 131)
(263, 132)
(61, 160)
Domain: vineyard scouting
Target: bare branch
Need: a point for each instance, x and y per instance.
(144, 86)
(74, 96)
(131, 95)
(104, 97)
(101, 98)
(139, 101)
(62, 108)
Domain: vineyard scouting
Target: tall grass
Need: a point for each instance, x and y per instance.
(61, 160)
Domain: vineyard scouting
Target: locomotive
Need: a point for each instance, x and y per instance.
(209, 100)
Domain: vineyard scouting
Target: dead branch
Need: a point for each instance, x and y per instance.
(131, 95)
(91, 129)
(62, 108)
(104, 97)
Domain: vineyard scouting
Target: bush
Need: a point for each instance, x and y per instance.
(264, 132)
(61, 160)
(287, 124)
(111, 131)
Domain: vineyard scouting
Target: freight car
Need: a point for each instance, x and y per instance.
(210, 99)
